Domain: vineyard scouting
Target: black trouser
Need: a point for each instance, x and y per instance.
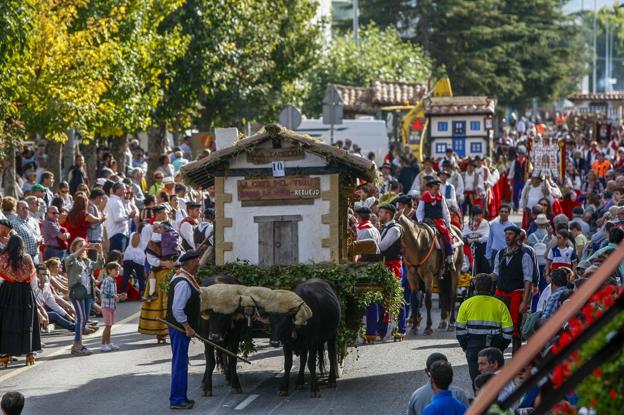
(481, 263)
(472, 353)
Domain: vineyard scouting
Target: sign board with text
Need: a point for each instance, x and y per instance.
(292, 189)
(268, 155)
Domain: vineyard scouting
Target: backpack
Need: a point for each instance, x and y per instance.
(540, 247)
(169, 246)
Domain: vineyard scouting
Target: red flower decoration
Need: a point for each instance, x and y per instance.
(612, 394)
(598, 373)
(564, 339)
(557, 376)
(588, 313)
(608, 301)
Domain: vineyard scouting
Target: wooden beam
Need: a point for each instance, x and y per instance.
(537, 342)
(265, 172)
(221, 222)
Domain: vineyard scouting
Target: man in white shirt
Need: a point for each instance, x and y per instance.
(474, 187)
(188, 225)
(419, 180)
(118, 218)
(448, 190)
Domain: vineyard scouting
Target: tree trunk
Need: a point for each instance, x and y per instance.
(54, 161)
(89, 152)
(69, 151)
(9, 173)
(118, 150)
(156, 143)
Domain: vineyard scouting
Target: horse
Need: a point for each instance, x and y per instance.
(425, 263)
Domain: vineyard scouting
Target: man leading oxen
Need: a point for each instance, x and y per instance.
(182, 312)
(390, 248)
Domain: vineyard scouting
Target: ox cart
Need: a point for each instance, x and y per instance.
(280, 220)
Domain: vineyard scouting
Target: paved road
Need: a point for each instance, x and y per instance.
(135, 380)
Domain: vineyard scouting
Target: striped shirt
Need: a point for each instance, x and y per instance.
(108, 291)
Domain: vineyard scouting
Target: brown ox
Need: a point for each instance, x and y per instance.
(425, 264)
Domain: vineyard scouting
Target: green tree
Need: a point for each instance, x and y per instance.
(514, 50)
(381, 54)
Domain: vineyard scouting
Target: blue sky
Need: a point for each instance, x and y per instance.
(575, 5)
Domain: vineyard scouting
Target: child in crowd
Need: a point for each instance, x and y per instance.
(108, 292)
(57, 280)
(12, 403)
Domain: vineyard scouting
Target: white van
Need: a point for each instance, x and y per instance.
(370, 135)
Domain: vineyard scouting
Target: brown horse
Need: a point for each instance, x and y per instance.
(426, 264)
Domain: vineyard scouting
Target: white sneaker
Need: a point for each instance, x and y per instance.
(105, 348)
(113, 346)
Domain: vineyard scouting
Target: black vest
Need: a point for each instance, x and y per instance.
(518, 173)
(433, 211)
(394, 251)
(510, 276)
(192, 305)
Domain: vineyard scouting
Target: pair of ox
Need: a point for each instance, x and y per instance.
(302, 321)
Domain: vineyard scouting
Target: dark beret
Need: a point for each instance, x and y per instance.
(389, 207)
(433, 181)
(191, 205)
(6, 223)
(158, 208)
(513, 228)
(405, 199)
(363, 209)
(188, 256)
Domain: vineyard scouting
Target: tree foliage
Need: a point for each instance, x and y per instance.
(243, 61)
(514, 50)
(381, 54)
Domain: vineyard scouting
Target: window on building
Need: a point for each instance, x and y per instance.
(476, 147)
(442, 126)
(440, 148)
(475, 125)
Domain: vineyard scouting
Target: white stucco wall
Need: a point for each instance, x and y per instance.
(448, 143)
(435, 133)
(244, 232)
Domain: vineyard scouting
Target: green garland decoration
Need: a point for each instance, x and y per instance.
(357, 286)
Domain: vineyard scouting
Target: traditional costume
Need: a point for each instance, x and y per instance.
(156, 307)
(433, 206)
(19, 322)
(510, 283)
(390, 248)
(182, 307)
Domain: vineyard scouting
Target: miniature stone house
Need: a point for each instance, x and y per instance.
(281, 197)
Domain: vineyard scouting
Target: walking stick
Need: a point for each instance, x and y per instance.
(208, 342)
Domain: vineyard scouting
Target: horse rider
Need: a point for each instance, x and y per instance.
(433, 206)
(513, 287)
(482, 321)
(390, 249)
(182, 312)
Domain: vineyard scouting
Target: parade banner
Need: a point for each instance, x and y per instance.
(545, 157)
(279, 189)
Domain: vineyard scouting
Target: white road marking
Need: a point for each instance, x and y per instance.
(62, 350)
(246, 402)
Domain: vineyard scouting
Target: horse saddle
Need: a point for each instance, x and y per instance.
(433, 230)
